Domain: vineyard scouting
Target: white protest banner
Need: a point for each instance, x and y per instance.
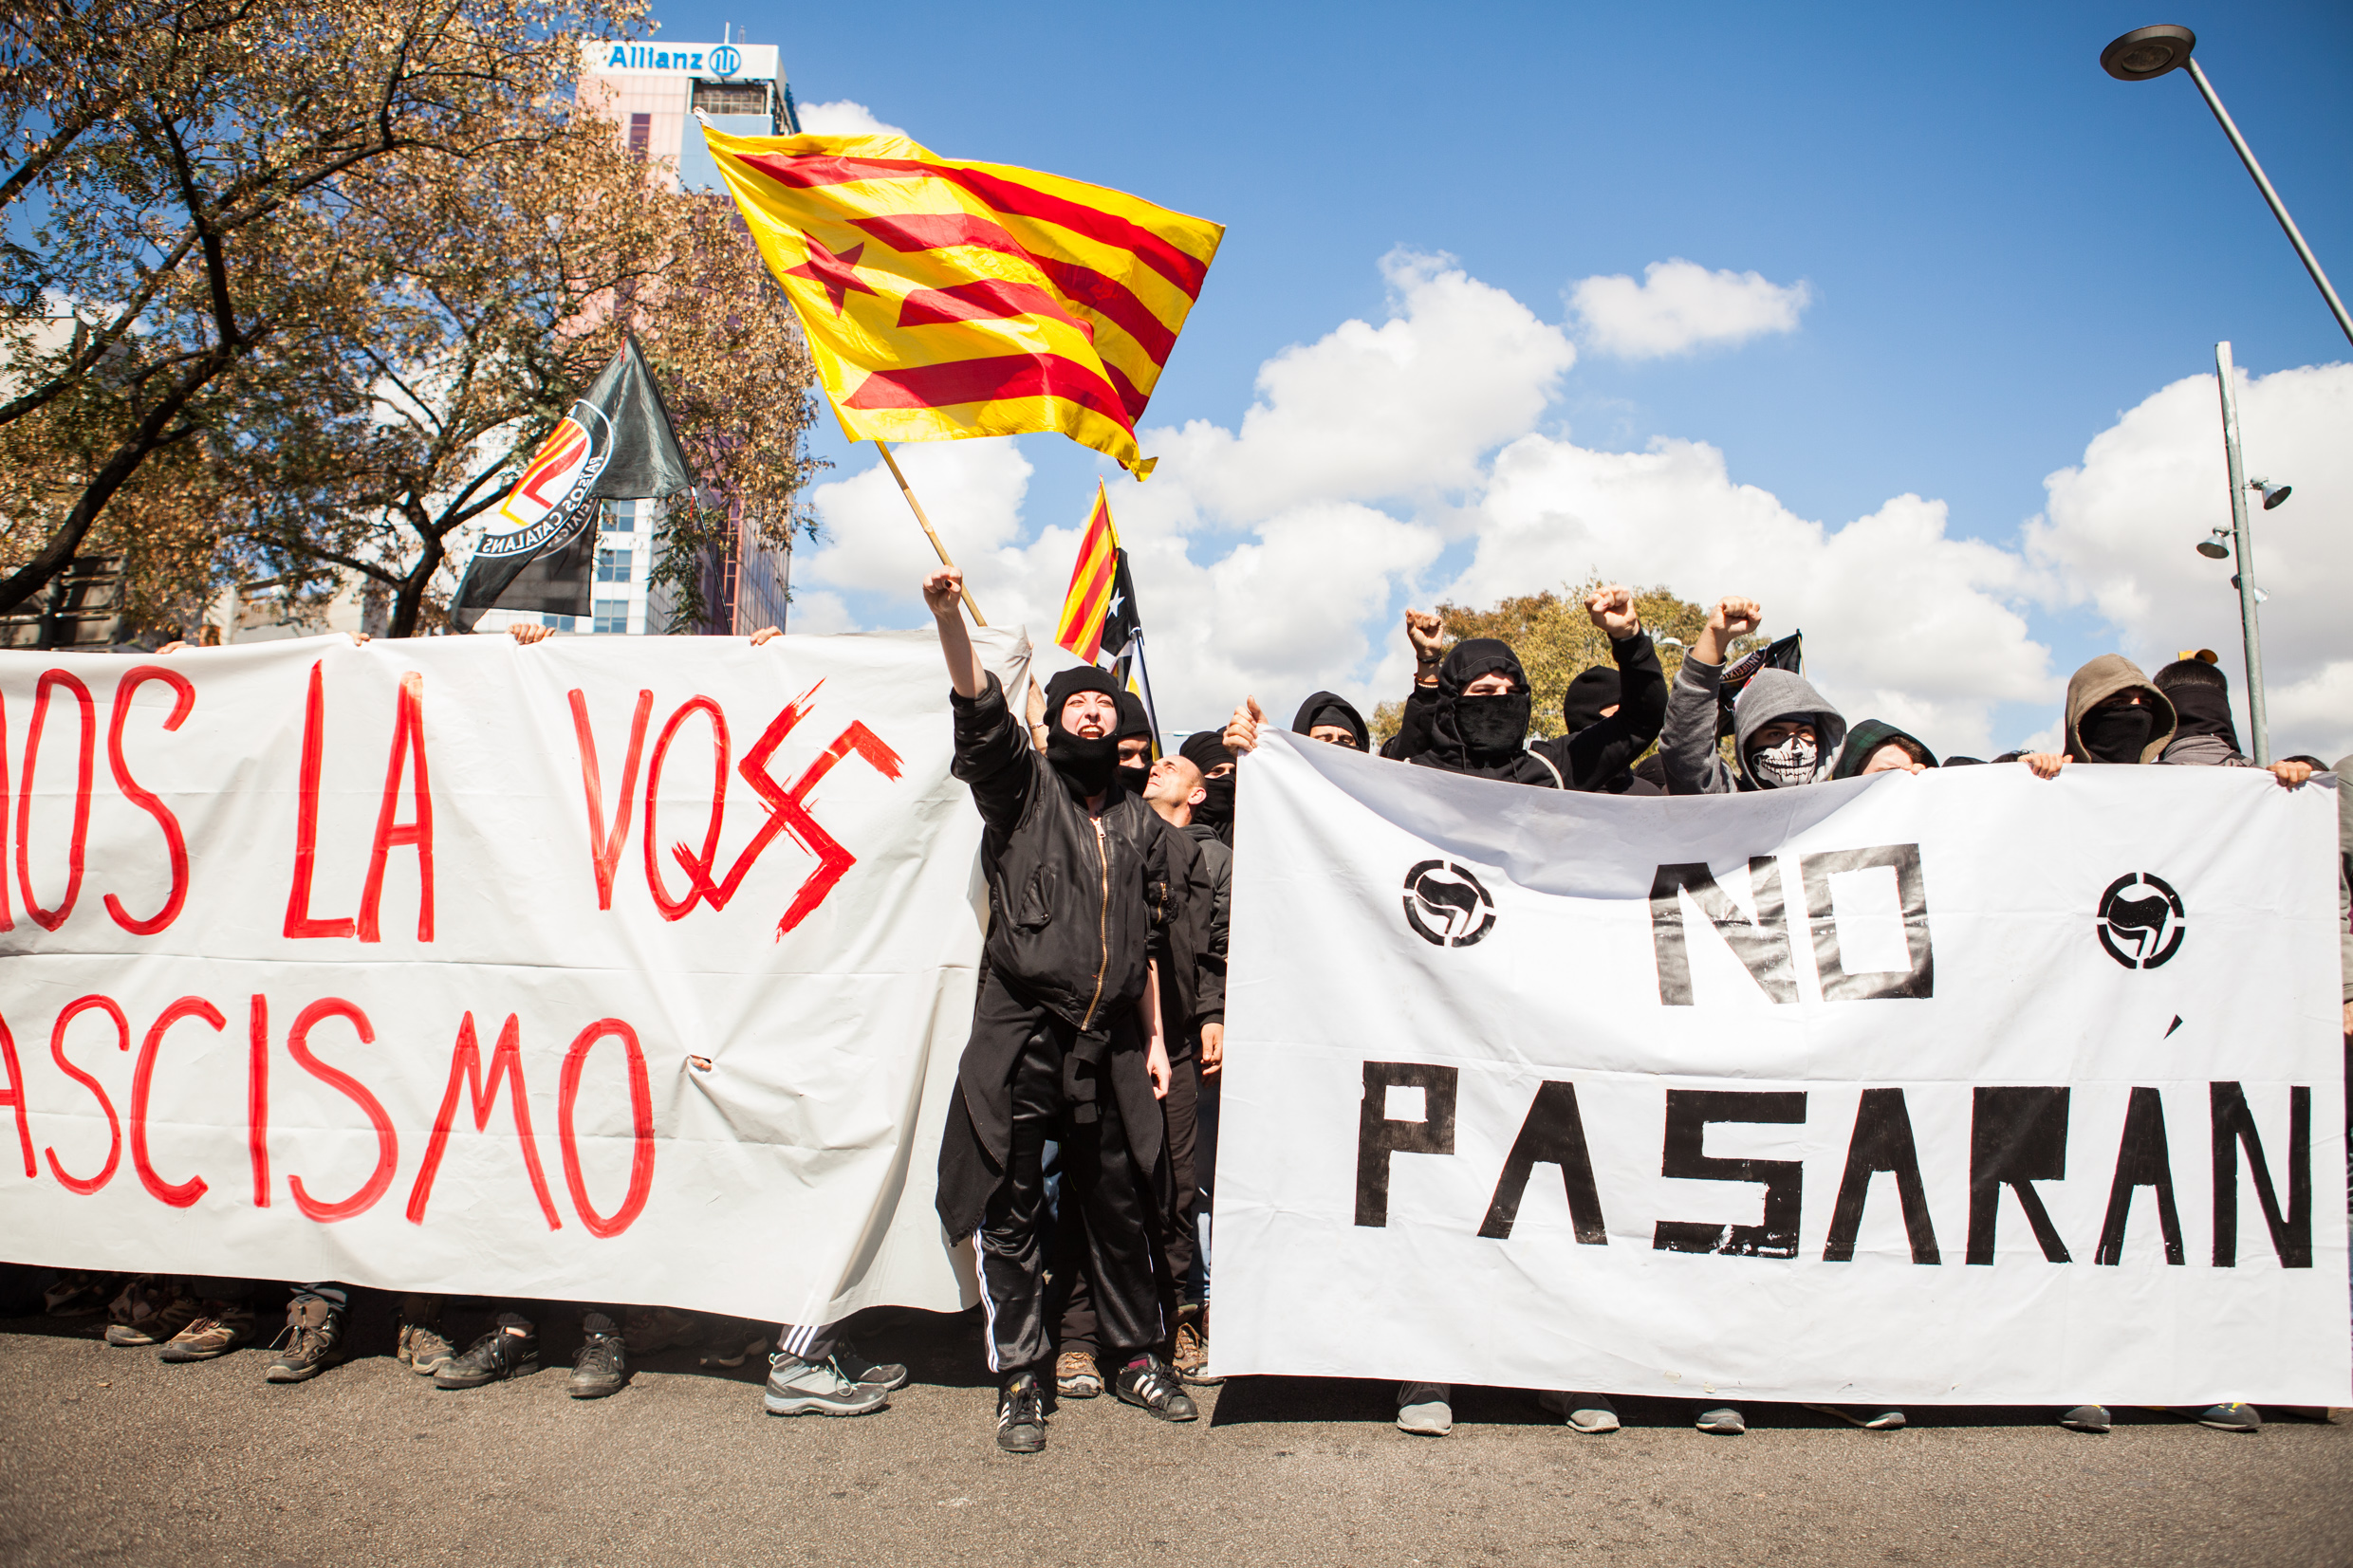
(608, 969)
(1966, 1087)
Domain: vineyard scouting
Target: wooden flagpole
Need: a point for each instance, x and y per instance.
(978, 619)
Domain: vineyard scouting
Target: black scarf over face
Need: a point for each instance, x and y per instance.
(2202, 709)
(1135, 724)
(2117, 734)
(1205, 749)
(1482, 736)
(1087, 765)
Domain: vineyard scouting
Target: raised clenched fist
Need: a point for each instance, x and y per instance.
(1611, 607)
(942, 591)
(1735, 616)
(1427, 632)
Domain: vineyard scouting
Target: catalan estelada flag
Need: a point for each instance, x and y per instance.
(1094, 581)
(944, 298)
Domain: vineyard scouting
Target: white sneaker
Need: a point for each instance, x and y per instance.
(1424, 1409)
(1586, 1412)
(1723, 1421)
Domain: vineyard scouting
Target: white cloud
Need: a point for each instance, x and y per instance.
(2121, 529)
(1679, 307)
(816, 613)
(1271, 556)
(1903, 623)
(844, 117)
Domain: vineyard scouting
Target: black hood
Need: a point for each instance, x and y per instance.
(1868, 737)
(1460, 746)
(1592, 691)
(1330, 707)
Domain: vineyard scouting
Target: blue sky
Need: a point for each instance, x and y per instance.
(2004, 249)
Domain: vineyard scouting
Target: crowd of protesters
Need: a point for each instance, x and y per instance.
(1080, 1152)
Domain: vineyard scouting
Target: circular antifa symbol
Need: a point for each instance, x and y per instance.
(726, 60)
(2140, 920)
(1446, 905)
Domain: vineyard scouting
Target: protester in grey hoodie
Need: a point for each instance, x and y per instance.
(1784, 733)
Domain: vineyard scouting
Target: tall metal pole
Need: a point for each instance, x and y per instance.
(2243, 547)
(2279, 211)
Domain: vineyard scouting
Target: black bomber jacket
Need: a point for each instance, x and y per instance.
(1074, 900)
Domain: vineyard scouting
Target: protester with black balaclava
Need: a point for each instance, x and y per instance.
(1331, 718)
(1066, 1039)
(1611, 713)
(1134, 737)
(1214, 817)
(2203, 733)
(1784, 732)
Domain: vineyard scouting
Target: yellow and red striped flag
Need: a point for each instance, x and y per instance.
(1094, 578)
(944, 298)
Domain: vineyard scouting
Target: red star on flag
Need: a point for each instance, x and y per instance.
(834, 273)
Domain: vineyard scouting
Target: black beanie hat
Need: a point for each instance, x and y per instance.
(1133, 720)
(1069, 683)
(1205, 749)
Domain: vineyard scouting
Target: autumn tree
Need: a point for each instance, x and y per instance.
(502, 288)
(1555, 639)
(183, 182)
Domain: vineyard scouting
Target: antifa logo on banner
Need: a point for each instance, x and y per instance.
(2140, 920)
(1446, 905)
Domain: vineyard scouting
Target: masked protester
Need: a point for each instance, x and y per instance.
(1478, 721)
(2113, 716)
(1876, 746)
(1214, 817)
(1067, 1040)
(1134, 737)
(1327, 716)
(1784, 733)
(1611, 713)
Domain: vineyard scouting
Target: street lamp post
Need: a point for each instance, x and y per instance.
(2242, 542)
(2146, 53)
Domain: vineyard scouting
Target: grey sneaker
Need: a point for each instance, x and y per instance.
(732, 1343)
(1877, 1418)
(1723, 1421)
(2085, 1418)
(423, 1349)
(797, 1387)
(2230, 1416)
(1425, 1408)
(1586, 1412)
(313, 1341)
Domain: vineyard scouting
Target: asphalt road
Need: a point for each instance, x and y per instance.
(110, 1456)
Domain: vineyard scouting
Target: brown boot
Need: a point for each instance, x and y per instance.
(1189, 1351)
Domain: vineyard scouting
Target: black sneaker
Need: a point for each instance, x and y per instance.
(853, 1366)
(1149, 1385)
(600, 1368)
(495, 1356)
(1021, 1415)
(313, 1342)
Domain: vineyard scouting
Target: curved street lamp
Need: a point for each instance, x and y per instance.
(2147, 53)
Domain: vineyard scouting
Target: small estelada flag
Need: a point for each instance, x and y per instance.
(1099, 622)
(943, 298)
(616, 444)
